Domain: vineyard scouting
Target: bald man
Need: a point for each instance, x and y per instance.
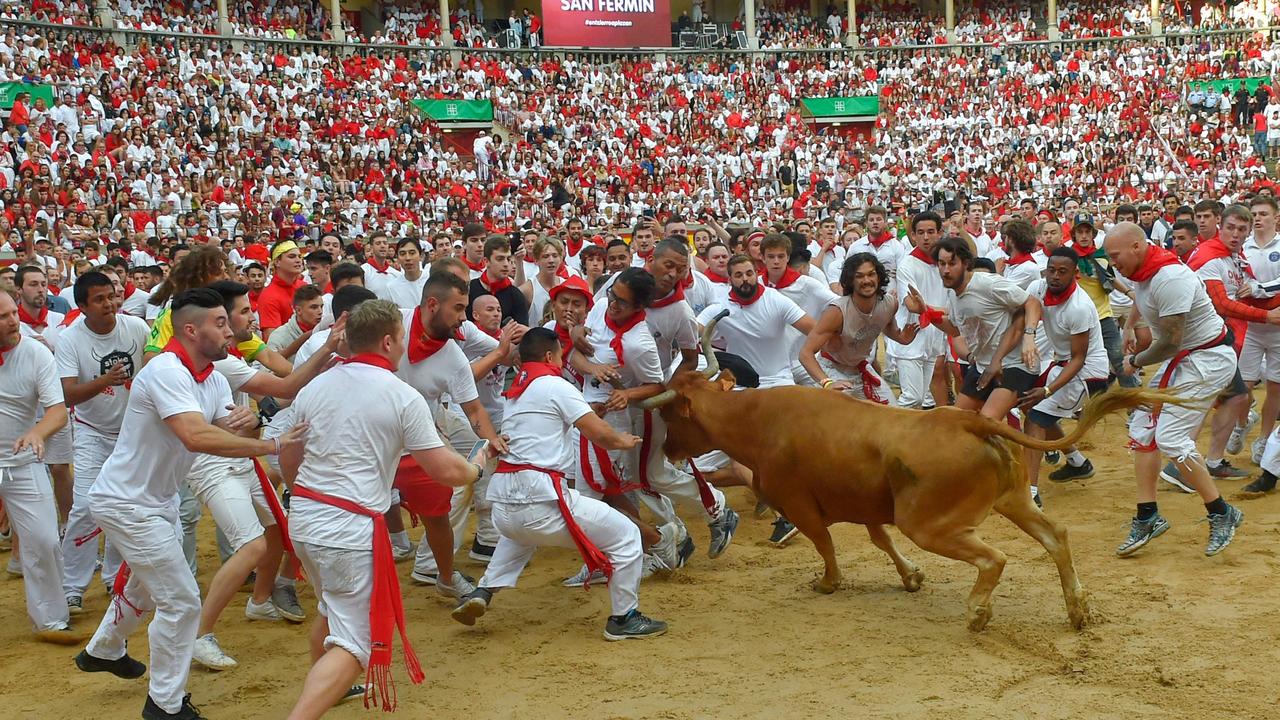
(1192, 356)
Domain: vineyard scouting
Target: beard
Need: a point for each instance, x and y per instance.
(744, 290)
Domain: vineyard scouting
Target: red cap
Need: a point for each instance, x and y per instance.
(574, 283)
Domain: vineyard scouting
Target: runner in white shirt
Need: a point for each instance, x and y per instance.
(1020, 239)
(922, 367)
(1193, 360)
(995, 317)
(643, 238)
(377, 272)
(1077, 368)
(810, 294)
(532, 507)
(879, 241)
(549, 270)
(341, 490)
(172, 403)
(1260, 357)
(98, 360)
(405, 289)
(28, 382)
(488, 318)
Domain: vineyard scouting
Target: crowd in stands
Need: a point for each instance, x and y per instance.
(201, 139)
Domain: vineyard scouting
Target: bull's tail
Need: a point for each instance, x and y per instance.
(1098, 407)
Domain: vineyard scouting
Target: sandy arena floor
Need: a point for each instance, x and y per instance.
(1175, 634)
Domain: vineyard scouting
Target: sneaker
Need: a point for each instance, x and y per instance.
(421, 578)
(722, 532)
(1035, 497)
(761, 509)
(62, 634)
(480, 552)
(1222, 528)
(685, 552)
(1235, 443)
(652, 565)
(1070, 472)
(355, 691)
(6, 540)
(152, 711)
(209, 653)
(783, 531)
(1226, 470)
(472, 606)
(1259, 447)
(1053, 457)
(125, 667)
(633, 626)
(261, 611)
(461, 585)
(285, 598)
(14, 568)
(1172, 475)
(403, 553)
(1142, 532)
(580, 578)
(75, 604)
(1261, 486)
(666, 549)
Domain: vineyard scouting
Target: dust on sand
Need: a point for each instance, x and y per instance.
(1174, 634)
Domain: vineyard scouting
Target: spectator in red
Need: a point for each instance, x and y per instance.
(275, 305)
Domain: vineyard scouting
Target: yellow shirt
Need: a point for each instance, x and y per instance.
(162, 333)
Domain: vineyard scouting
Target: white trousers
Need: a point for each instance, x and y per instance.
(343, 581)
(33, 516)
(234, 497)
(190, 513)
(456, 430)
(80, 539)
(150, 540)
(525, 527)
(665, 479)
(914, 376)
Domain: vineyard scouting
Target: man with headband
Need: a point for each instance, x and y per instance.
(275, 304)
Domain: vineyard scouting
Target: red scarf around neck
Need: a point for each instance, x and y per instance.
(422, 345)
(477, 267)
(129, 290)
(878, 240)
(789, 276)
(676, 296)
(922, 256)
(566, 342)
(1213, 250)
(619, 331)
(494, 286)
(373, 359)
(574, 248)
(1050, 299)
(529, 372)
(716, 277)
(1157, 257)
(1020, 259)
(377, 265)
(39, 321)
(176, 348)
(744, 302)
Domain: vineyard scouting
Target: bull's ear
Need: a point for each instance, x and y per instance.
(726, 381)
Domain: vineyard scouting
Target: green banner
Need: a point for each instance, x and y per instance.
(840, 107)
(1232, 84)
(10, 90)
(456, 110)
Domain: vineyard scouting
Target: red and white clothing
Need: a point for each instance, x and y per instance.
(29, 383)
(135, 502)
(86, 356)
(983, 313)
(812, 296)
(849, 355)
(134, 301)
(405, 293)
(47, 326)
(1224, 273)
(887, 249)
(1065, 316)
(1260, 357)
(916, 359)
(753, 328)
(378, 275)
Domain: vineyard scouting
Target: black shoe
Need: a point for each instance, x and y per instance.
(1265, 483)
(1035, 498)
(355, 691)
(472, 606)
(1070, 472)
(152, 711)
(684, 552)
(783, 531)
(1053, 457)
(480, 552)
(126, 667)
(633, 626)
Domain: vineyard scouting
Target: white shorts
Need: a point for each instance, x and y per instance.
(343, 581)
(712, 461)
(1068, 400)
(1260, 358)
(234, 498)
(58, 449)
(1201, 377)
(863, 388)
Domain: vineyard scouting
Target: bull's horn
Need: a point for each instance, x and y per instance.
(713, 365)
(658, 400)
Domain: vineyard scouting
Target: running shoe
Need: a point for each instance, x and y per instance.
(1172, 475)
(1226, 471)
(783, 531)
(209, 653)
(1070, 472)
(1222, 528)
(633, 626)
(722, 532)
(1142, 532)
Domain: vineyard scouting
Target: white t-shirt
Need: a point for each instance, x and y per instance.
(135, 303)
(1023, 274)
(538, 427)
(237, 372)
(641, 363)
(890, 254)
(149, 461)
(812, 296)
(446, 372)
(701, 294)
(376, 281)
(353, 449)
(754, 332)
(1175, 290)
(1064, 320)
(86, 356)
(929, 342)
(402, 291)
(28, 385)
(983, 313)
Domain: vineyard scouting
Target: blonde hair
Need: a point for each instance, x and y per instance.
(371, 321)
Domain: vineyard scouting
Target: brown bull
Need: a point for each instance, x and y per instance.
(821, 458)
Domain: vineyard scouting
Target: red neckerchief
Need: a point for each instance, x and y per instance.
(70, 317)
(129, 289)
(422, 345)
(491, 333)
(2, 354)
(643, 256)
(676, 296)
(562, 272)
(1051, 299)
(574, 249)
(1157, 257)
(1212, 250)
(759, 293)
(234, 351)
(40, 321)
(305, 327)
(566, 342)
(373, 359)
(176, 348)
(377, 265)
(878, 240)
(716, 277)
(922, 256)
(529, 372)
(1020, 258)
(619, 331)
(480, 266)
(492, 285)
(789, 276)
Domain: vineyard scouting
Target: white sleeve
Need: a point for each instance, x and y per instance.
(710, 312)
(419, 428)
(235, 370)
(791, 312)
(462, 384)
(643, 358)
(67, 361)
(1007, 293)
(171, 392)
(48, 386)
(568, 401)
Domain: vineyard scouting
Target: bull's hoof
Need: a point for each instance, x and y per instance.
(913, 581)
(826, 588)
(979, 617)
(1078, 613)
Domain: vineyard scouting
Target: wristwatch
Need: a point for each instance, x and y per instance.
(1133, 360)
(1028, 331)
